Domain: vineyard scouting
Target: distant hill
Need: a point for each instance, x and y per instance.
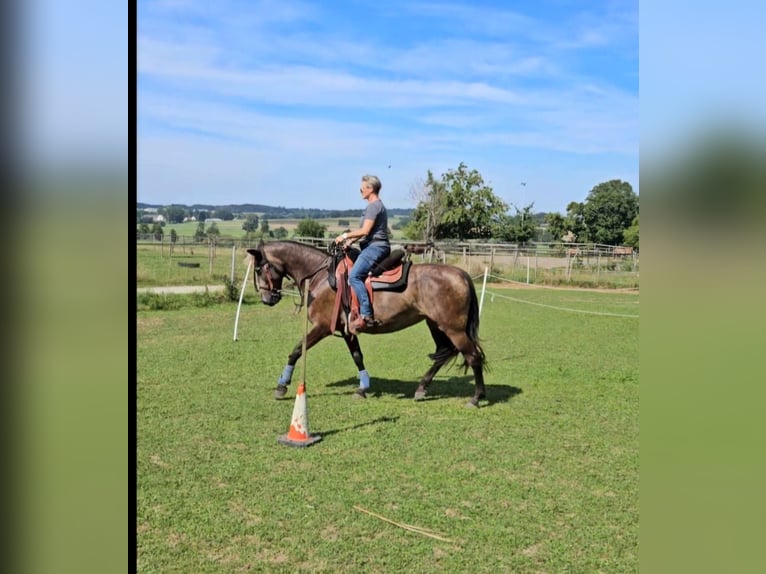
(277, 212)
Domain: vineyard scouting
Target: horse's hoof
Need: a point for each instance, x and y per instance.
(420, 395)
(472, 404)
(280, 392)
(359, 394)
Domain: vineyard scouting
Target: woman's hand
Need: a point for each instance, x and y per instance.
(341, 238)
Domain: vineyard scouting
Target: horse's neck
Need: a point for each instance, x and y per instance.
(299, 262)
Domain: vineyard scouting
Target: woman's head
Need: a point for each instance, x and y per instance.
(373, 182)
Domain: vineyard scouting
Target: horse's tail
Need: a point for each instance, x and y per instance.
(472, 322)
(446, 351)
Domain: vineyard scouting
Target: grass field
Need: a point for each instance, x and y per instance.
(542, 478)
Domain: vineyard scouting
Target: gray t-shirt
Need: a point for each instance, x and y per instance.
(377, 212)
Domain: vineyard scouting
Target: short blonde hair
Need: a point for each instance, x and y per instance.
(373, 181)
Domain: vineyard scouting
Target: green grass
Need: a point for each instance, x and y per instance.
(542, 478)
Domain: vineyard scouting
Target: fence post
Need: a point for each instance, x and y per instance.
(513, 265)
(527, 269)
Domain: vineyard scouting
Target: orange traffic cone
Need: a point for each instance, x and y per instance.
(298, 435)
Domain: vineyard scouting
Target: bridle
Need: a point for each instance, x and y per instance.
(266, 267)
(276, 294)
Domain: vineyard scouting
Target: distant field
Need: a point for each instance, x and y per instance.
(234, 228)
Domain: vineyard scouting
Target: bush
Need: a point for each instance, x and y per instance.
(231, 291)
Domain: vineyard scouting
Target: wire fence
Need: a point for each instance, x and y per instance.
(584, 264)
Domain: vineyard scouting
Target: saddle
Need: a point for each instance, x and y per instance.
(388, 275)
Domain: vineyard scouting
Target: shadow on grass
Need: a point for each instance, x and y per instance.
(325, 433)
(453, 387)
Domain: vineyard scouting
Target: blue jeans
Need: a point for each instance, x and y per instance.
(369, 256)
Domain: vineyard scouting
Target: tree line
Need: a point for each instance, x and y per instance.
(461, 206)
(178, 213)
(458, 205)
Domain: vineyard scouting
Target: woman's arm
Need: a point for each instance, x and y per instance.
(352, 236)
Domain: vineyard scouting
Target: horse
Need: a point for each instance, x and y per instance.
(442, 295)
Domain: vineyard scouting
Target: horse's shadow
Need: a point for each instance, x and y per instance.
(359, 425)
(452, 387)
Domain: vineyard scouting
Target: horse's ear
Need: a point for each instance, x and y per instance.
(256, 253)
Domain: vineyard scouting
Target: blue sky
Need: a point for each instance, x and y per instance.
(285, 102)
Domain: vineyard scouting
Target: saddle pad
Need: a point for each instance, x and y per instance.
(399, 285)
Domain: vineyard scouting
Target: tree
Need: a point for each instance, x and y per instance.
(265, 227)
(280, 233)
(519, 228)
(459, 206)
(630, 237)
(250, 223)
(173, 236)
(213, 230)
(157, 231)
(527, 228)
(199, 234)
(575, 222)
(224, 214)
(175, 214)
(556, 225)
(309, 228)
(429, 196)
(609, 210)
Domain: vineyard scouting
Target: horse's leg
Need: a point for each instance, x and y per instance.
(445, 350)
(474, 358)
(317, 333)
(352, 342)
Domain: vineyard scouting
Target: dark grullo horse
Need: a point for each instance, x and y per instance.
(442, 295)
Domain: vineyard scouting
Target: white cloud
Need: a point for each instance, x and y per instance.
(303, 90)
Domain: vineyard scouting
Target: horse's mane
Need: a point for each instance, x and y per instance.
(308, 255)
(298, 244)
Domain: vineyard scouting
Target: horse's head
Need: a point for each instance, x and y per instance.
(267, 277)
